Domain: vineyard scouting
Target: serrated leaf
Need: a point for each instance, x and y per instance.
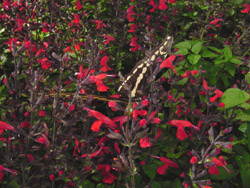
(183, 45)
(227, 52)
(233, 97)
(197, 47)
(193, 59)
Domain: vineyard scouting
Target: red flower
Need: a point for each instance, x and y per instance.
(218, 95)
(109, 38)
(246, 10)
(159, 131)
(186, 74)
(214, 22)
(102, 117)
(213, 170)
(82, 73)
(41, 113)
(77, 47)
(162, 169)
(105, 172)
(72, 108)
(205, 85)
(6, 126)
(2, 168)
(193, 160)
(96, 153)
(134, 44)
(43, 140)
(122, 119)
(99, 24)
(162, 5)
(152, 3)
(133, 27)
(181, 134)
(181, 124)
(45, 63)
(20, 23)
(51, 177)
(116, 146)
(167, 63)
(96, 126)
(220, 162)
(130, 13)
(77, 19)
(76, 148)
(145, 142)
(142, 122)
(103, 63)
(167, 163)
(25, 124)
(78, 5)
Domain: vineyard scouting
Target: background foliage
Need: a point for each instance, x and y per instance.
(192, 132)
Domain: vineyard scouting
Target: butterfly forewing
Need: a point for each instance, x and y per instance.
(136, 80)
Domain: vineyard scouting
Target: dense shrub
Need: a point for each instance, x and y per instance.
(189, 130)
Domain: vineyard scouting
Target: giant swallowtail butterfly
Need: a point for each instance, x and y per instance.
(136, 80)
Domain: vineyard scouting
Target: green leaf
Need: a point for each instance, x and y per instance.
(207, 53)
(230, 68)
(197, 47)
(101, 185)
(155, 184)
(87, 184)
(193, 59)
(177, 183)
(235, 61)
(214, 49)
(13, 184)
(183, 45)
(181, 52)
(244, 115)
(150, 170)
(247, 77)
(220, 60)
(245, 174)
(227, 52)
(233, 97)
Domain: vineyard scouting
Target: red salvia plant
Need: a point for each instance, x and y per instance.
(53, 52)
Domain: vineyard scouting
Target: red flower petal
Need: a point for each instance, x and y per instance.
(7, 126)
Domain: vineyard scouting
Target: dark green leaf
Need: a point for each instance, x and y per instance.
(150, 170)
